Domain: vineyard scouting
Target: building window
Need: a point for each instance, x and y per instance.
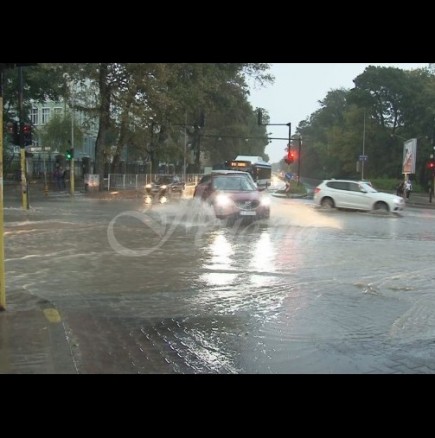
(34, 116)
(45, 115)
(58, 111)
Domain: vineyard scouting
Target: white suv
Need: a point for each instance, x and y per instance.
(355, 195)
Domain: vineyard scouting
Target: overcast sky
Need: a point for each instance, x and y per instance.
(297, 90)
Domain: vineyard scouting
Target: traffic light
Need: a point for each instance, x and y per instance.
(259, 117)
(69, 155)
(27, 134)
(12, 130)
(290, 157)
(431, 165)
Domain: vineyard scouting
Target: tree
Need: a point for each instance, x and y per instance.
(56, 134)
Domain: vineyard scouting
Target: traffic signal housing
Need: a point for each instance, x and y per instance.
(69, 154)
(290, 157)
(27, 134)
(12, 130)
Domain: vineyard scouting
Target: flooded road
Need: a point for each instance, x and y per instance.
(171, 289)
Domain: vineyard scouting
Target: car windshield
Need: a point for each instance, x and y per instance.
(233, 183)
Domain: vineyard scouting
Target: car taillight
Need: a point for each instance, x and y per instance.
(317, 190)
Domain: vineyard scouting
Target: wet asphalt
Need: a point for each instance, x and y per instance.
(35, 340)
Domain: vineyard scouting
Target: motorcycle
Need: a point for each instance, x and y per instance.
(162, 194)
(158, 195)
(148, 194)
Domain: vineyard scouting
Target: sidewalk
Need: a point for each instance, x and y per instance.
(420, 200)
(32, 338)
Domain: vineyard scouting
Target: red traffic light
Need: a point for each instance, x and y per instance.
(290, 157)
(430, 164)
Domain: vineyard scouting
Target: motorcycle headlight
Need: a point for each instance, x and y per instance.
(148, 186)
(163, 187)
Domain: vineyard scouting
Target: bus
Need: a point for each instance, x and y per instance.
(260, 171)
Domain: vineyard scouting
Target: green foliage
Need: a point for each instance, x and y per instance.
(127, 102)
(153, 109)
(56, 134)
(386, 107)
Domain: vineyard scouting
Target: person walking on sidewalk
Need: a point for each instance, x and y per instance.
(408, 188)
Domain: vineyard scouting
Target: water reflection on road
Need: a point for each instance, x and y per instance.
(171, 289)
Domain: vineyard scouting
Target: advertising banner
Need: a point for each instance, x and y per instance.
(409, 154)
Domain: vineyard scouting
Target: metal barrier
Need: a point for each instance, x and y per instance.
(126, 181)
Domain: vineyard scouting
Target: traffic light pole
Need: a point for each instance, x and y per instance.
(71, 170)
(299, 160)
(24, 188)
(260, 123)
(2, 252)
(71, 177)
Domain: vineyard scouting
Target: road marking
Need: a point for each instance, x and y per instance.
(52, 315)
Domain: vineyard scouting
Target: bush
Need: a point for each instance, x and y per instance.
(389, 185)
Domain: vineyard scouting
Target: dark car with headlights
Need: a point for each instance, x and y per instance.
(171, 183)
(233, 195)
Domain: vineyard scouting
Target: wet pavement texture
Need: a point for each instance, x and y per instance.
(108, 286)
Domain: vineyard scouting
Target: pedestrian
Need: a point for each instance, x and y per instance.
(64, 178)
(59, 177)
(287, 180)
(408, 188)
(400, 188)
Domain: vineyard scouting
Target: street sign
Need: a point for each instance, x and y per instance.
(363, 157)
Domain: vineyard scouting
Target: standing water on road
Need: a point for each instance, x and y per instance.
(171, 289)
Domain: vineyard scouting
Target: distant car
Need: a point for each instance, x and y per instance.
(355, 195)
(172, 182)
(233, 195)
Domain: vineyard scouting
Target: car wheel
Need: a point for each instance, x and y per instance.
(381, 206)
(327, 203)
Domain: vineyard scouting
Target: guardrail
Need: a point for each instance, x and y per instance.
(126, 181)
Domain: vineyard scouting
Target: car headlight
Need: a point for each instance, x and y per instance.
(222, 200)
(265, 201)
